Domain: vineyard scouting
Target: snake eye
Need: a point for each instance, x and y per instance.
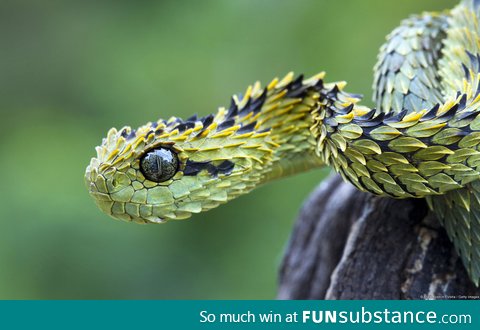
(159, 165)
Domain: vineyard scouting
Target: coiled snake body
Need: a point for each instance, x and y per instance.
(422, 140)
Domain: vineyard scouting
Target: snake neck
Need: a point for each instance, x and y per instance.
(294, 117)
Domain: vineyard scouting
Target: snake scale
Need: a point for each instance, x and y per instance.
(421, 141)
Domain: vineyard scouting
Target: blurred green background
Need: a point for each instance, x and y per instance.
(71, 70)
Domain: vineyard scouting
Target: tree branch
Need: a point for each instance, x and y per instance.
(347, 244)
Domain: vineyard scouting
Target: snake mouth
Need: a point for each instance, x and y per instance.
(117, 195)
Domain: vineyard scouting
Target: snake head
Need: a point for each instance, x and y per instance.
(170, 169)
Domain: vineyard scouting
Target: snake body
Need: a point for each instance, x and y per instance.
(422, 140)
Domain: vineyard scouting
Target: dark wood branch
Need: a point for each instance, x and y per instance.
(347, 244)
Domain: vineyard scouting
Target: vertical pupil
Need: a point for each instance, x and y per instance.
(159, 165)
(158, 162)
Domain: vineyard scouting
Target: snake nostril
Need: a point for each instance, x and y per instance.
(92, 187)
